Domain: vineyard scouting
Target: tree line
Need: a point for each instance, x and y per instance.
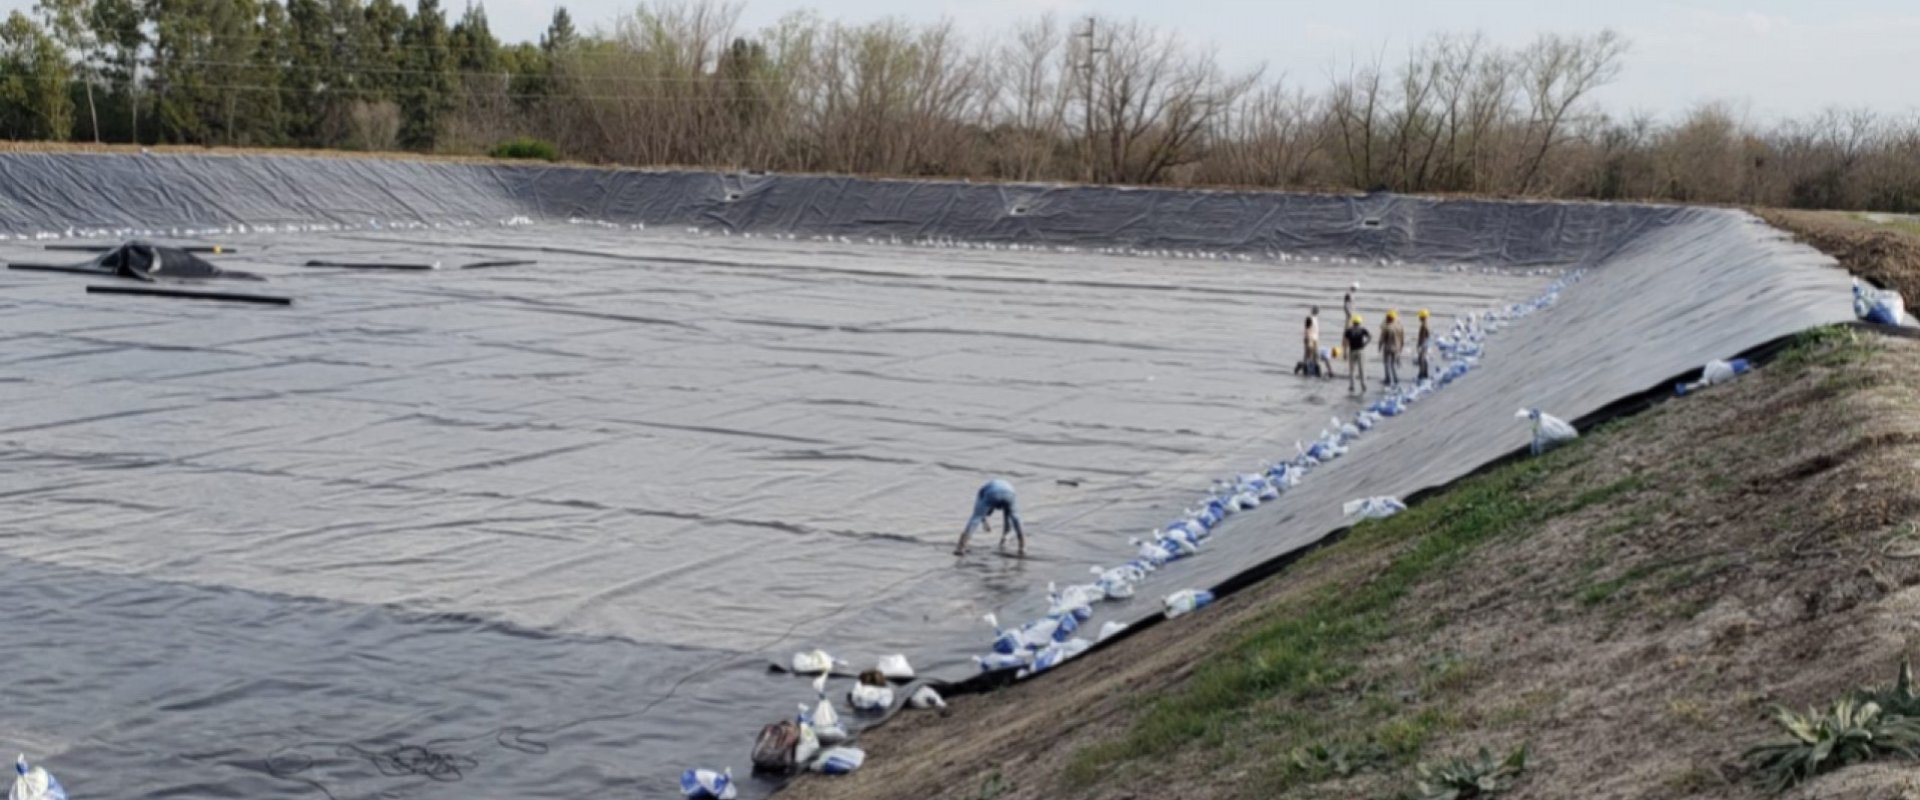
(679, 82)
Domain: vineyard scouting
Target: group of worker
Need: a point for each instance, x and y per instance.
(997, 495)
(1353, 344)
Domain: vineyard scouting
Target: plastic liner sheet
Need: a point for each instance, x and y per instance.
(537, 530)
(90, 193)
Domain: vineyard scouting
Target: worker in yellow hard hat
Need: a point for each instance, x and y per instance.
(1357, 339)
(1420, 351)
(1393, 339)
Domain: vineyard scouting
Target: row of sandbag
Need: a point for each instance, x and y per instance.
(1057, 635)
(815, 738)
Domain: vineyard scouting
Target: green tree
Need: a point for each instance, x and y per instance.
(385, 29)
(119, 36)
(560, 35)
(474, 48)
(526, 69)
(429, 91)
(66, 21)
(743, 70)
(34, 75)
(204, 60)
(268, 123)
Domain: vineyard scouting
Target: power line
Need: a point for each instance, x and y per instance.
(280, 67)
(395, 92)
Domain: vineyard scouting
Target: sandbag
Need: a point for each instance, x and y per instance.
(925, 697)
(1373, 507)
(1880, 306)
(1055, 655)
(996, 662)
(704, 784)
(1187, 601)
(815, 662)
(1716, 372)
(869, 698)
(1110, 629)
(895, 667)
(1549, 431)
(824, 720)
(34, 783)
(839, 760)
(1005, 642)
(808, 746)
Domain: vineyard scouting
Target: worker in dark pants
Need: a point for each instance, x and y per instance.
(1425, 341)
(1392, 339)
(996, 495)
(1357, 340)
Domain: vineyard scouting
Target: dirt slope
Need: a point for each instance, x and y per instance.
(1628, 608)
(1886, 253)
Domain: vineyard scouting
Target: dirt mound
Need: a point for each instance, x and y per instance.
(1627, 609)
(1885, 253)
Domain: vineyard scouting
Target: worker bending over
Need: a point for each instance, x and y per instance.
(996, 495)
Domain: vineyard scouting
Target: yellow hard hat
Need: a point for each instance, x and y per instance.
(1423, 313)
(1336, 352)
(1392, 315)
(1356, 320)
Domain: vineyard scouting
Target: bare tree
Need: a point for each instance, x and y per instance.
(1354, 107)
(1558, 72)
(1029, 97)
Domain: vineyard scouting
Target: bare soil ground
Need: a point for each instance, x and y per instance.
(1888, 254)
(1661, 584)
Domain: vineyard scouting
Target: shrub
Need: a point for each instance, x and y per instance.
(1850, 733)
(1465, 779)
(525, 147)
(1898, 699)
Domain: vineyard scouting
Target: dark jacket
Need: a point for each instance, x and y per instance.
(1357, 338)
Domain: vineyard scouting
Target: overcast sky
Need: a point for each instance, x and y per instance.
(1769, 57)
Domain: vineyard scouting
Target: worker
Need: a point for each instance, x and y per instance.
(1426, 340)
(996, 495)
(1392, 339)
(1310, 342)
(1352, 290)
(1314, 355)
(1357, 339)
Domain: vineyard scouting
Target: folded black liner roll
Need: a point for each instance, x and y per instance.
(144, 261)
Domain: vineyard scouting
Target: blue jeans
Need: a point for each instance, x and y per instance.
(997, 495)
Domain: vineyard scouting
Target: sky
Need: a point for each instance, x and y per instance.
(1767, 58)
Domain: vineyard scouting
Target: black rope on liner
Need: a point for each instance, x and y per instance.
(192, 294)
(66, 268)
(372, 265)
(213, 249)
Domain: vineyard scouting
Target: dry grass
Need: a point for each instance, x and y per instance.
(1887, 253)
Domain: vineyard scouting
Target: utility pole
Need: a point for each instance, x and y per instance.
(1087, 65)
